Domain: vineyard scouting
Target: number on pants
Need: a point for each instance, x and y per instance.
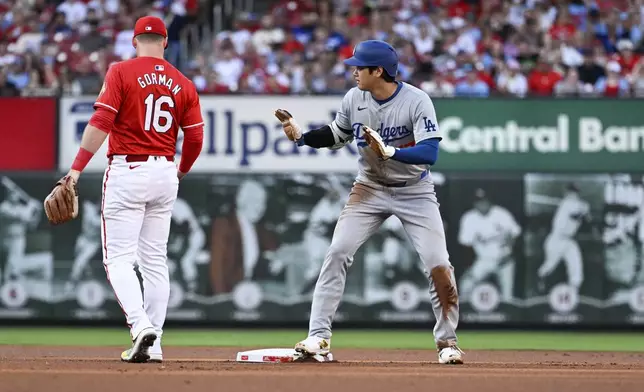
(154, 113)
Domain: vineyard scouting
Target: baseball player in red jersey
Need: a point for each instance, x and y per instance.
(143, 103)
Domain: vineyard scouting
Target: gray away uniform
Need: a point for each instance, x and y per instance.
(385, 188)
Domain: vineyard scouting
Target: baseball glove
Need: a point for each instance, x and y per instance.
(291, 128)
(61, 205)
(374, 140)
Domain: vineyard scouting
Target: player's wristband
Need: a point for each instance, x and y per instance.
(82, 159)
(300, 141)
(390, 151)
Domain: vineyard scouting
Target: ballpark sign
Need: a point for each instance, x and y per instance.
(242, 135)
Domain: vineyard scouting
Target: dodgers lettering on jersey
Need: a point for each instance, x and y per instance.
(403, 120)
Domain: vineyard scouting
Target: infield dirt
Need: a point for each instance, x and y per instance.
(61, 369)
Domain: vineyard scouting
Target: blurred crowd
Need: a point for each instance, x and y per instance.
(54, 47)
(448, 48)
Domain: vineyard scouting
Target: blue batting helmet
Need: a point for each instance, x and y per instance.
(375, 53)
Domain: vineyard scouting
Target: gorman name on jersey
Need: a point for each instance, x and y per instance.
(159, 79)
(390, 134)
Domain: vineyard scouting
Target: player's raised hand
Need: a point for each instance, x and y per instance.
(376, 143)
(291, 128)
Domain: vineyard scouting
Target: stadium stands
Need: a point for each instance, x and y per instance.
(463, 48)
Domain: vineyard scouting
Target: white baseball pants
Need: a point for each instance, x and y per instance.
(136, 212)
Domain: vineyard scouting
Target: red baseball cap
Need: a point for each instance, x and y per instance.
(150, 25)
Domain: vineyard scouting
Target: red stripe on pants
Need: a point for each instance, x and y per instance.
(107, 273)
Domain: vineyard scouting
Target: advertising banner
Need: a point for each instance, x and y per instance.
(28, 134)
(531, 249)
(242, 135)
(553, 135)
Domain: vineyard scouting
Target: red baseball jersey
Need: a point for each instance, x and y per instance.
(152, 100)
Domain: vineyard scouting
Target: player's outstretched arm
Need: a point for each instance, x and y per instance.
(328, 136)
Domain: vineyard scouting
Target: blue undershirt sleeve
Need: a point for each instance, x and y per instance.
(423, 153)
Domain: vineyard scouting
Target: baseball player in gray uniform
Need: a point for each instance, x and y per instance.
(395, 127)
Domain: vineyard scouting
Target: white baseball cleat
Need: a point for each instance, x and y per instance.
(314, 345)
(140, 347)
(450, 356)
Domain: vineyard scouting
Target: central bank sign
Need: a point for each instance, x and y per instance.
(242, 134)
(512, 137)
(553, 135)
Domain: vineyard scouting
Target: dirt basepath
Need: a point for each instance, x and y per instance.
(32, 369)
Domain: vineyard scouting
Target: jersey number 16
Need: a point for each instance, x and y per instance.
(154, 113)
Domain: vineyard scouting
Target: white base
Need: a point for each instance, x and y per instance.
(267, 355)
(278, 355)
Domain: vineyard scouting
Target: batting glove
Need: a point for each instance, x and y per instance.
(374, 141)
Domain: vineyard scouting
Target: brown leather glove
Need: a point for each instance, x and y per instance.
(61, 205)
(375, 142)
(291, 128)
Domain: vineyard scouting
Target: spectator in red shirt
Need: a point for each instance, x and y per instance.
(563, 26)
(487, 78)
(276, 85)
(488, 40)
(291, 44)
(356, 16)
(542, 79)
(604, 5)
(458, 8)
(626, 57)
(347, 50)
(290, 12)
(613, 85)
(192, 6)
(215, 86)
